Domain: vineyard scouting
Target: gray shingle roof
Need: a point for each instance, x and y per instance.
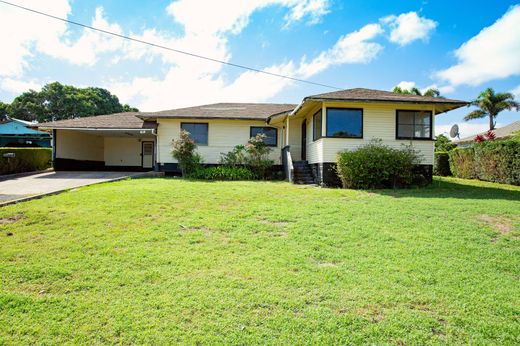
(111, 121)
(501, 132)
(372, 95)
(245, 111)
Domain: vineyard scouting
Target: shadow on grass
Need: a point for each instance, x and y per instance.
(454, 188)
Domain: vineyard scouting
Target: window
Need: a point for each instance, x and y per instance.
(345, 122)
(271, 134)
(316, 126)
(198, 132)
(414, 125)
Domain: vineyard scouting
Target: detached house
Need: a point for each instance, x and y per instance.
(312, 132)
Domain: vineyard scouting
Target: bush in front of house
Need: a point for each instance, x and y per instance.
(254, 155)
(183, 150)
(223, 173)
(441, 164)
(377, 166)
(25, 160)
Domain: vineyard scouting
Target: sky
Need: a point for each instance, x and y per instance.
(459, 47)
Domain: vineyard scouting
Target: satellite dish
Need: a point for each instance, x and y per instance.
(454, 132)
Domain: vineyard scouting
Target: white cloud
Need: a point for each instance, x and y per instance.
(353, 48)
(465, 129)
(493, 53)
(193, 84)
(233, 15)
(19, 86)
(20, 30)
(406, 85)
(516, 92)
(409, 27)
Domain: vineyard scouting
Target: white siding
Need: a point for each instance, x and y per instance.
(78, 146)
(379, 121)
(223, 135)
(122, 151)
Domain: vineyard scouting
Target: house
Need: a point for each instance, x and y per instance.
(312, 132)
(19, 133)
(500, 133)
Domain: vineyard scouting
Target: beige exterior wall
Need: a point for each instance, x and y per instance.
(79, 146)
(122, 151)
(379, 121)
(223, 135)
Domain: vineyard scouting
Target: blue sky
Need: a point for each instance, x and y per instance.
(460, 47)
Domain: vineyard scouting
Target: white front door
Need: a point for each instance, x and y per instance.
(147, 154)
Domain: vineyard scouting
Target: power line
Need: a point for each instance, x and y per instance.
(169, 48)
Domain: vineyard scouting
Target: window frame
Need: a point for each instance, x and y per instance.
(265, 127)
(314, 134)
(195, 123)
(342, 108)
(430, 138)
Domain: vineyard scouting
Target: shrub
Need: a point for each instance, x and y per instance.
(377, 166)
(223, 173)
(25, 160)
(236, 157)
(183, 150)
(255, 155)
(441, 165)
(462, 163)
(258, 155)
(498, 161)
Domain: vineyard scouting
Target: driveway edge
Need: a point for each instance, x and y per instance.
(38, 196)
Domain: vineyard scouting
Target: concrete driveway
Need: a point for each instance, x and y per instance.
(25, 187)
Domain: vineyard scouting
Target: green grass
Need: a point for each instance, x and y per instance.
(162, 261)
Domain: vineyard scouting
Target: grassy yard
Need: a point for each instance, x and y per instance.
(164, 260)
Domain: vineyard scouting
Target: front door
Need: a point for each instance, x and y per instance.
(147, 154)
(304, 140)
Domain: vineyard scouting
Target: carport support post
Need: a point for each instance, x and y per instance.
(54, 145)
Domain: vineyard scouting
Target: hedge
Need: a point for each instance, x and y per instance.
(441, 165)
(25, 160)
(496, 161)
(223, 173)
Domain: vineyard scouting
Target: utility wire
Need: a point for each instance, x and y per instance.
(169, 48)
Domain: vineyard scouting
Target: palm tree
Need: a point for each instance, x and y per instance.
(432, 92)
(490, 104)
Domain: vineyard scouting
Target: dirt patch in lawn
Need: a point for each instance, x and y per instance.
(11, 219)
(498, 223)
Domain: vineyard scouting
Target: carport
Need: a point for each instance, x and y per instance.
(115, 142)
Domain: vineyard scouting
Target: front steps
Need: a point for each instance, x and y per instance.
(302, 173)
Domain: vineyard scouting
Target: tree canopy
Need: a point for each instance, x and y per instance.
(490, 104)
(56, 101)
(432, 92)
(443, 143)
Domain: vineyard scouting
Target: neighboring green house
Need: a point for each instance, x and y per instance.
(18, 133)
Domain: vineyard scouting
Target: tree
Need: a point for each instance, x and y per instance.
(57, 101)
(443, 143)
(3, 110)
(490, 104)
(431, 92)
(184, 151)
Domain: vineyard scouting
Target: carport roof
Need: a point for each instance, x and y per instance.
(111, 121)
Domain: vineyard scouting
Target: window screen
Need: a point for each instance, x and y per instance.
(198, 132)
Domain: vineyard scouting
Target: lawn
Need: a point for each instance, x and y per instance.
(161, 261)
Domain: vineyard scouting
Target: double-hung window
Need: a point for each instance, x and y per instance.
(198, 132)
(316, 125)
(414, 125)
(271, 134)
(344, 122)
